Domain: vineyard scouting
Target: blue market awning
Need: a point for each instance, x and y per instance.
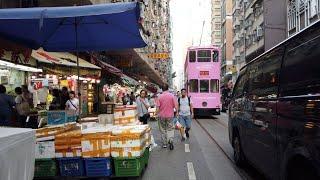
(78, 28)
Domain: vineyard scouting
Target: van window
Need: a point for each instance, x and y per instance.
(193, 85)
(301, 67)
(239, 87)
(192, 56)
(204, 86)
(214, 85)
(204, 55)
(264, 75)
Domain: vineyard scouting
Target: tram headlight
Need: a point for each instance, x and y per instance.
(204, 104)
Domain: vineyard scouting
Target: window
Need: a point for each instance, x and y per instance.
(193, 85)
(264, 75)
(204, 55)
(192, 56)
(204, 86)
(300, 75)
(214, 85)
(239, 87)
(215, 56)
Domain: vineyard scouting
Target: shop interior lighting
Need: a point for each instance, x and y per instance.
(47, 76)
(98, 81)
(19, 67)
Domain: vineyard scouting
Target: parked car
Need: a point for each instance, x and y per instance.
(274, 113)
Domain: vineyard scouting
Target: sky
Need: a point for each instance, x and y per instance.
(188, 17)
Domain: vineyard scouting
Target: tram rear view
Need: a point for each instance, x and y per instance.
(202, 71)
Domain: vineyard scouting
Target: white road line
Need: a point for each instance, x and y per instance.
(186, 147)
(191, 173)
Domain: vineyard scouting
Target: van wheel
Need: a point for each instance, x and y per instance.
(238, 155)
(301, 170)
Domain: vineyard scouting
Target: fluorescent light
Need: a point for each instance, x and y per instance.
(19, 67)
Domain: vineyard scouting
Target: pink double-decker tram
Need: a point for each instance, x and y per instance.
(202, 77)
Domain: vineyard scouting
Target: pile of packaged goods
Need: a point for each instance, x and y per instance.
(86, 150)
(124, 115)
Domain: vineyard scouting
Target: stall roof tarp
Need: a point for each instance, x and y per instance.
(60, 58)
(97, 27)
(17, 153)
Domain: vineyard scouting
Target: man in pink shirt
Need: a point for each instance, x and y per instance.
(165, 108)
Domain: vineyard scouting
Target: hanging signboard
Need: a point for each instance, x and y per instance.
(158, 56)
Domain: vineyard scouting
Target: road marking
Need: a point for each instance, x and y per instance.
(186, 147)
(191, 173)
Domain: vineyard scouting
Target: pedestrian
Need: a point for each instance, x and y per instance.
(22, 107)
(165, 108)
(27, 95)
(72, 104)
(49, 99)
(185, 111)
(142, 107)
(132, 98)
(64, 97)
(56, 101)
(6, 107)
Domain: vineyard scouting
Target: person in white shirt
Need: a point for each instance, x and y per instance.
(185, 111)
(73, 103)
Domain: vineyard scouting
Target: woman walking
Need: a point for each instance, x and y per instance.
(143, 106)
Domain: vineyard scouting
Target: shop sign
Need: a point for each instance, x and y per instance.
(158, 56)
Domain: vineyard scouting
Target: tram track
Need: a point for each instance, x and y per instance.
(241, 172)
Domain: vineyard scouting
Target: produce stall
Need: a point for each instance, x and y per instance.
(117, 146)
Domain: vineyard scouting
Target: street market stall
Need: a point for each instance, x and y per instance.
(84, 28)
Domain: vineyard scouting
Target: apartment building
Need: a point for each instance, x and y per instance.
(258, 25)
(216, 22)
(301, 14)
(227, 67)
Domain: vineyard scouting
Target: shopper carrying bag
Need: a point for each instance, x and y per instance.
(142, 107)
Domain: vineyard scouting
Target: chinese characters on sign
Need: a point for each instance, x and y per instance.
(158, 56)
(204, 73)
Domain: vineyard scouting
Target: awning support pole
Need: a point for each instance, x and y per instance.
(78, 68)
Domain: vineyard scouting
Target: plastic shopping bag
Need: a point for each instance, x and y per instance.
(178, 125)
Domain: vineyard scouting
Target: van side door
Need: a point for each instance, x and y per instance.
(263, 97)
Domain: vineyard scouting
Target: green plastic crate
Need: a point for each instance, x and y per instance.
(45, 168)
(131, 167)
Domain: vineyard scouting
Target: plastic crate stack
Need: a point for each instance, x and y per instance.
(129, 149)
(92, 151)
(96, 151)
(45, 152)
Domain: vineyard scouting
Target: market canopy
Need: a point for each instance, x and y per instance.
(100, 27)
(61, 59)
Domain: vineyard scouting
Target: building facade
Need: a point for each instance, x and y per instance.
(227, 67)
(258, 25)
(216, 22)
(301, 14)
